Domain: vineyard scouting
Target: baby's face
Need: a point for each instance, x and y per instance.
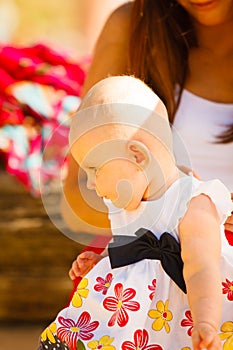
(110, 171)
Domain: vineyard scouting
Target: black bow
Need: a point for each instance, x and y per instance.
(126, 250)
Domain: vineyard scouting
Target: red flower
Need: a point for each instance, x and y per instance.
(228, 289)
(141, 338)
(103, 283)
(70, 331)
(153, 288)
(120, 304)
(188, 322)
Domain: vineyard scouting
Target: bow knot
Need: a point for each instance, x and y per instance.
(126, 250)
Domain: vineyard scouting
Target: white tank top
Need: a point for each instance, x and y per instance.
(198, 122)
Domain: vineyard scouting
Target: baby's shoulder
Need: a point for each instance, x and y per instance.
(206, 194)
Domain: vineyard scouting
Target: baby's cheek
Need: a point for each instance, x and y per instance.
(124, 192)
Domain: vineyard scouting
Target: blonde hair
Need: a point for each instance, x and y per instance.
(123, 100)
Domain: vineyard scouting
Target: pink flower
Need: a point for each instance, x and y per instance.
(152, 288)
(103, 283)
(141, 339)
(71, 331)
(228, 289)
(120, 304)
(188, 322)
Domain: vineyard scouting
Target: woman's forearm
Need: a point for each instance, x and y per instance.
(88, 209)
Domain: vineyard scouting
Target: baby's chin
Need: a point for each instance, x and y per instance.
(129, 205)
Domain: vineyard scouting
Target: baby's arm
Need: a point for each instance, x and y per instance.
(200, 249)
(84, 263)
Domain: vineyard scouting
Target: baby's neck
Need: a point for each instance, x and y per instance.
(157, 188)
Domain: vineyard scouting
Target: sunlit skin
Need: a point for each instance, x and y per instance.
(128, 183)
(117, 177)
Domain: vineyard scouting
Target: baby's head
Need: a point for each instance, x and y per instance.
(120, 129)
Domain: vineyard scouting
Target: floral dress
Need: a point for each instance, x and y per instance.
(140, 305)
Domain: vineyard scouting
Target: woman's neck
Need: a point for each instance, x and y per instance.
(215, 38)
(210, 63)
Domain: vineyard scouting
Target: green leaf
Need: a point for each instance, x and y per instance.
(80, 345)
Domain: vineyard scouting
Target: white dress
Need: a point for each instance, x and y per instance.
(139, 306)
(198, 122)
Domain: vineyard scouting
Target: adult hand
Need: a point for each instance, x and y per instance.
(229, 222)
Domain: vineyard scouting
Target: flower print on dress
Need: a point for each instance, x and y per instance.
(58, 345)
(50, 341)
(188, 322)
(119, 304)
(162, 316)
(228, 289)
(141, 338)
(152, 288)
(49, 332)
(71, 331)
(103, 283)
(81, 292)
(104, 343)
(227, 329)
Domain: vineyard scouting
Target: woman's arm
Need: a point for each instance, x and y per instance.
(200, 249)
(112, 48)
(88, 211)
(110, 58)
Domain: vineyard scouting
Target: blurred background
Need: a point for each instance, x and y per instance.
(45, 50)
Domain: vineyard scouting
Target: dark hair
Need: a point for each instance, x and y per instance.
(227, 135)
(161, 37)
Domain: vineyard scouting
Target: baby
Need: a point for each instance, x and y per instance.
(162, 286)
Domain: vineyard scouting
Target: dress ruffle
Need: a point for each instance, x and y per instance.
(219, 195)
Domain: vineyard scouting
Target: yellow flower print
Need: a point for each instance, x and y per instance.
(162, 316)
(48, 333)
(104, 343)
(81, 292)
(227, 329)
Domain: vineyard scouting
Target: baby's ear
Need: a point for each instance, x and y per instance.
(138, 152)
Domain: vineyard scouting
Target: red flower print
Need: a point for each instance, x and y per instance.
(152, 288)
(120, 304)
(141, 339)
(103, 283)
(228, 289)
(188, 322)
(71, 331)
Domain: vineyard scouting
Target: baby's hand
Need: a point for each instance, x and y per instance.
(204, 336)
(83, 264)
(229, 222)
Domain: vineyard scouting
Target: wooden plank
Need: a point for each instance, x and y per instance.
(35, 258)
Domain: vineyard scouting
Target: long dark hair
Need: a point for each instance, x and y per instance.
(159, 53)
